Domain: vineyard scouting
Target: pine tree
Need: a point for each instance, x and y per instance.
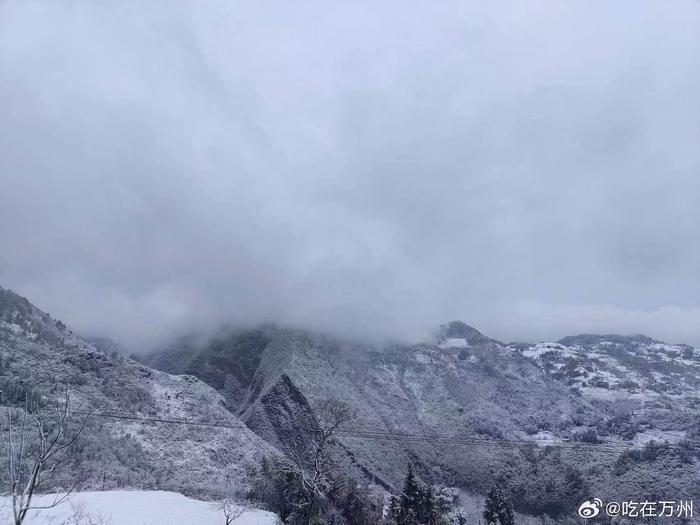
(498, 509)
(417, 504)
(410, 498)
(353, 505)
(428, 513)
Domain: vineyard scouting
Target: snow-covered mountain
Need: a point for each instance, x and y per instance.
(463, 384)
(37, 353)
(654, 387)
(605, 366)
(464, 409)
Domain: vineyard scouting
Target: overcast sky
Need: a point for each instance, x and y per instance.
(365, 168)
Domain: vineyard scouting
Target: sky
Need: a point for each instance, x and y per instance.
(368, 169)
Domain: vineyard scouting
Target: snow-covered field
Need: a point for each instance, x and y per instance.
(133, 508)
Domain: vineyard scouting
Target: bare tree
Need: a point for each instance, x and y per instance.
(33, 442)
(312, 463)
(79, 516)
(232, 511)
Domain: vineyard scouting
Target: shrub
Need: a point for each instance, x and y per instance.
(587, 436)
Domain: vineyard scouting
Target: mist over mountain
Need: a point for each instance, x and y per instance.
(350, 263)
(529, 168)
(560, 420)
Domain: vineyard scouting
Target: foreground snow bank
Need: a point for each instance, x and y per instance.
(133, 508)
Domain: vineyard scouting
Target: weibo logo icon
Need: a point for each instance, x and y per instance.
(590, 508)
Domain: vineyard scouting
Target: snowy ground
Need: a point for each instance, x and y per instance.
(133, 508)
(672, 436)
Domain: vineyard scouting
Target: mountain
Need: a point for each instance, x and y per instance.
(462, 384)
(555, 423)
(38, 354)
(654, 386)
(458, 333)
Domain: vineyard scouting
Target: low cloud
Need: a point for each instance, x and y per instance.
(367, 170)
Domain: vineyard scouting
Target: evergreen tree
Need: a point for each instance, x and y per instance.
(417, 504)
(410, 499)
(361, 506)
(498, 509)
(353, 506)
(427, 512)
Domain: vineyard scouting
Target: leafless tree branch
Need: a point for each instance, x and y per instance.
(32, 455)
(311, 463)
(232, 511)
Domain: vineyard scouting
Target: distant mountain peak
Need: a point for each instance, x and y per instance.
(456, 330)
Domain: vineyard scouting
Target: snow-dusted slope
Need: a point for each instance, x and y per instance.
(133, 508)
(618, 367)
(463, 384)
(40, 354)
(651, 388)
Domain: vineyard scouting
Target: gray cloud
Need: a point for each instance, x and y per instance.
(370, 170)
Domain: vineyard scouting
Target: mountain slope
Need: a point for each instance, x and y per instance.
(39, 354)
(630, 364)
(265, 384)
(463, 385)
(653, 386)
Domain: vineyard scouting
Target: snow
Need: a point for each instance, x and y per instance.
(14, 328)
(134, 508)
(542, 348)
(544, 438)
(422, 358)
(672, 436)
(454, 342)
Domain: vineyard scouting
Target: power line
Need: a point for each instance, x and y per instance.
(407, 437)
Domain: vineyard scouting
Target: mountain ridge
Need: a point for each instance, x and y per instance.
(266, 382)
(41, 354)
